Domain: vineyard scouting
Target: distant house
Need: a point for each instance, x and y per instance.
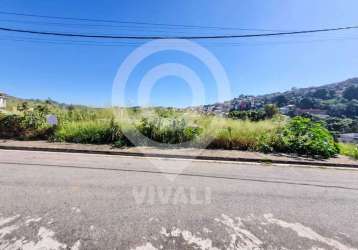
(2, 101)
(287, 109)
(312, 111)
(349, 138)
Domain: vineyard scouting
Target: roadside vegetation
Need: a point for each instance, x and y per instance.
(350, 150)
(267, 131)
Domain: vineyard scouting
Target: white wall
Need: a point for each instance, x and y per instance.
(2, 102)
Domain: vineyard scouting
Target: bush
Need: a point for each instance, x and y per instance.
(168, 130)
(92, 132)
(27, 127)
(34, 120)
(351, 93)
(11, 126)
(303, 136)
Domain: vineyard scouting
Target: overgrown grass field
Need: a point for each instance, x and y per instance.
(171, 127)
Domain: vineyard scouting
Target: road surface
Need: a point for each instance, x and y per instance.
(79, 201)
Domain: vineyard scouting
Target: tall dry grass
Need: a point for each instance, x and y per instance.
(238, 134)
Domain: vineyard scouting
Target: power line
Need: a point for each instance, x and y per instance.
(135, 44)
(174, 37)
(132, 22)
(91, 25)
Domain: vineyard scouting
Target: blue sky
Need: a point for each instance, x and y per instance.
(68, 71)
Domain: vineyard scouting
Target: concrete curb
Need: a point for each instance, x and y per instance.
(179, 156)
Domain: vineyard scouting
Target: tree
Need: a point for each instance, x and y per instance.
(338, 110)
(49, 101)
(71, 108)
(352, 108)
(321, 94)
(332, 94)
(339, 125)
(307, 103)
(280, 100)
(351, 93)
(270, 110)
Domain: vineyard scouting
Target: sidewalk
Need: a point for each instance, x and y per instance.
(185, 153)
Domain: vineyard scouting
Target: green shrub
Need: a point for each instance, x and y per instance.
(92, 132)
(168, 130)
(34, 120)
(26, 127)
(303, 136)
(11, 126)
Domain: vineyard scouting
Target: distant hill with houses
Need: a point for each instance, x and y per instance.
(336, 99)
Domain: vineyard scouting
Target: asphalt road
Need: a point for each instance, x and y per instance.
(78, 201)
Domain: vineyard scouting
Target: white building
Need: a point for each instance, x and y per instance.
(349, 138)
(287, 109)
(2, 101)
